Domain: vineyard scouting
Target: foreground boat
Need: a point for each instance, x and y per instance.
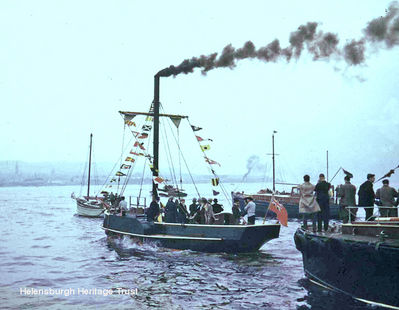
(361, 261)
(195, 237)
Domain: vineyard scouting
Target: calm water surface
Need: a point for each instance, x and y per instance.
(44, 245)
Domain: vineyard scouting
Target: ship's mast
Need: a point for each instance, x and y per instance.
(156, 134)
(88, 177)
(274, 168)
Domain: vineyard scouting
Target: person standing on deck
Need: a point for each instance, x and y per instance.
(217, 208)
(323, 199)
(193, 207)
(386, 195)
(171, 211)
(367, 196)
(308, 203)
(347, 193)
(236, 211)
(153, 211)
(250, 209)
(123, 206)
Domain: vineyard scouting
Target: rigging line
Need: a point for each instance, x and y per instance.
(82, 182)
(178, 143)
(144, 166)
(210, 167)
(335, 174)
(111, 172)
(185, 163)
(168, 153)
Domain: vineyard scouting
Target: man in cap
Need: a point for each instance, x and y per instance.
(386, 195)
(366, 196)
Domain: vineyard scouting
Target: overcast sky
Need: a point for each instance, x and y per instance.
(68, 67)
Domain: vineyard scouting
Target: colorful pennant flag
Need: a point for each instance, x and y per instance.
(112, 180)
(128, 117)
(158, 179)
(120, 174)
(211, 162)
(195, 128)
(215, 193)
(130, 159)
(280, 211)
(146, 127)
(130, 123)
(176, 121)
(205, 147)
(215, 182)
(149, 119)
(140, 145)
(123, 166)
(199, 139)
(143, 136)
(135, 133)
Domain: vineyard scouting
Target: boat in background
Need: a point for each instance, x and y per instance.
(290, 200)
(361, 260)
(89, 206)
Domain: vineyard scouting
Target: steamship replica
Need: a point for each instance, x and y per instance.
(290, 200)
(89, 206)
(184, 236)
(361, 260)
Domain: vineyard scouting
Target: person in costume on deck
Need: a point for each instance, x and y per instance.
(193, 207)
(323, 199)
(217, 208)
(308, 205)
(171, 211)
(366, 196)
(182, 213)
(250, 210)
(153, 211)
(207, 216)
(347, 194)
(236, 211)
(386, 195)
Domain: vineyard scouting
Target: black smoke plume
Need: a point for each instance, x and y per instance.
(320, 45)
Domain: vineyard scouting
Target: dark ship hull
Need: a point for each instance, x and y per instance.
(291, 207)
(195, 237)
(355, 262)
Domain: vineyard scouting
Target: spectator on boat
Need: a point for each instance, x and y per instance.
(217, 208)
(308, 205)
(323, 199)
(153, 211)
(206, 212)
(182, 213)
(366, 196)
(112, 199)
(171, 211)
(386, 195)
(123, 206)
(347, 194)
(193, 207)
(236, 211)
(250, 210)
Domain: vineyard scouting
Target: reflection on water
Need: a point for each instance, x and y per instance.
(43, 244)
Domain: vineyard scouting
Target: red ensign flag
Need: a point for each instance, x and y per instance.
(280, 211)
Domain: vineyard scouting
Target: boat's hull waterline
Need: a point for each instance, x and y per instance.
(88, 208)
(195, 237)
(367, 270)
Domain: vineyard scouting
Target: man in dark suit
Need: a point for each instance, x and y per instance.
(366, 196)
(323, 199)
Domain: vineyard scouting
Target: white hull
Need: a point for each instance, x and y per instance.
(89, 208)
